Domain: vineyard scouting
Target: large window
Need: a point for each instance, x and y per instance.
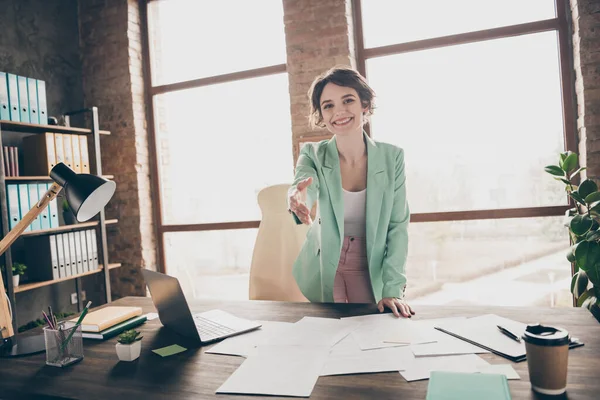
(476, 96)
(222, 131)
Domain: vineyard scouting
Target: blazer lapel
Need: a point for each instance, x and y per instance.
(376, 185)
(333, 180)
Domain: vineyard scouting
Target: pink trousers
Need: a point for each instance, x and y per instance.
(352, 282)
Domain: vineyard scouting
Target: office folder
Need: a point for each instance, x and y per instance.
(34, 197)
(59, 148)
(24, 201)
(45, 214)
(6, 160)
(14, 159)
(44, 148)
(75, 260)
(94, 241)
(67, 252)
(42, 105)
(13, 98)
(14, 216)
(84, 154)
(60, 254)
(42, 257)
(115, 329)
(53, 208)
(465, 386)
(23, 98)
(4, 105)
(76, 153)
(92, 254)
(68, 148)
(78, 252)
(33, 101)
(84, 252)
(99, 320)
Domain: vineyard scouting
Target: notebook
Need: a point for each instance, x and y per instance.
(106, 317)
(116, 329)
(465, 386)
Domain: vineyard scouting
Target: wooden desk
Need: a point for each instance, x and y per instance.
(197, 375)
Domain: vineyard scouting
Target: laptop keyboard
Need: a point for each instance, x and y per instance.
(209, 329)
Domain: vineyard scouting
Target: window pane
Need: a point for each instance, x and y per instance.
(391, 21)
(507, 262)
(219, 145)
(192, 39)
(478, 122)
(211, 264)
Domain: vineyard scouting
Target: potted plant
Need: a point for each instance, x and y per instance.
(129, 345)
(583, 222)
(68, 215)
(18, 269)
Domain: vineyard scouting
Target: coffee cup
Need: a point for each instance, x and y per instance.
(547, 358)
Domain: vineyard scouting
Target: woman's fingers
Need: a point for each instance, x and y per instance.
(403, 307)
(392, 306)
(304, 184)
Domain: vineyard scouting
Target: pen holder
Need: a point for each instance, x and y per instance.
(59, 352)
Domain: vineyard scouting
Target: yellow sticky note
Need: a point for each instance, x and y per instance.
(169, 350)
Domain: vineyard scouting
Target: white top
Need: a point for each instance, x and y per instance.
(355, 210)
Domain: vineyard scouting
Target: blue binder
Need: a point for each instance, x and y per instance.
(13, 98)
(4, 107)
(42, 105)
(24, 206)
(12, 193)
(33, 101)
(34, 197)
(45, 214)
(23, 98)
(53, 210)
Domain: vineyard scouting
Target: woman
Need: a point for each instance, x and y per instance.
(356, 249)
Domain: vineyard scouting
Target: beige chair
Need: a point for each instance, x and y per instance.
(278, 243)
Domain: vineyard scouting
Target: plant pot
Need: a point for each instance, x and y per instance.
(16, 280)
(69, 217)
(129, 352)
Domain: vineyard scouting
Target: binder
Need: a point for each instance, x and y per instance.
(14, 159)
(4, 106)
(34, 197)
(41, 258)
(75, 265)
(59, 148)
(467, 386)
(45, 214)
(76, 153)
(53, 209)
(44, 148)
(23, 98)
(67, 254)
(68, 147)
(84, 252)
(84, 154)
(78, 253)
(6, 161)
(24, 202)
(95, 249)
(42, 106)
(92, 252)
(60, 254)
(12, 193)
(33, 101)
(13, 98)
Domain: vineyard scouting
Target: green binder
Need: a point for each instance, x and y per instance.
(467, 386)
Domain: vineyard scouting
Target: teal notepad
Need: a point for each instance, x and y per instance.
(466, 386)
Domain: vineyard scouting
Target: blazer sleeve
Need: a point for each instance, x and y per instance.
(305, 167)
(394, 261)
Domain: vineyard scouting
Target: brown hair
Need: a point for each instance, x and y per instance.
(341, 76)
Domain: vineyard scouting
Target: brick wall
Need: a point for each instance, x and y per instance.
(586, 54)
(319, 35)
(110, 43)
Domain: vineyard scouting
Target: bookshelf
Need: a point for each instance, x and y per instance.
(14, 132)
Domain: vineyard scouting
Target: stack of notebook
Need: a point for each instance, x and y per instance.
(110, 321)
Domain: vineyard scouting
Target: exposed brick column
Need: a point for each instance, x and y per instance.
(110, 42)
(586, 55)
(319, 35)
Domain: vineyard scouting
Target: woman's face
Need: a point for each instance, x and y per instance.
(341, 109)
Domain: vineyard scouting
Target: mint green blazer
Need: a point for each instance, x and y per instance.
(387, 218)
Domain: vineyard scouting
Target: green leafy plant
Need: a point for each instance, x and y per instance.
(129, 337)
(583, 223)
(17, 268)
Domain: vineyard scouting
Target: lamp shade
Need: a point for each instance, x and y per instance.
(86, 194)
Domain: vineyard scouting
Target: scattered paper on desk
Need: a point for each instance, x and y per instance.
(151, 316)
(278, 371)
(502, 369)
(169, 350)
(421, 367)
(245, 344)
(310, 331)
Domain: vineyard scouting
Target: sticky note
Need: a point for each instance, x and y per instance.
(169, 350)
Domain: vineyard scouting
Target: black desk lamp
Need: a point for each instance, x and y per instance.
(87, 195)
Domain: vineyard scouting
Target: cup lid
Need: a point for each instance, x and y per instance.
(541, 335)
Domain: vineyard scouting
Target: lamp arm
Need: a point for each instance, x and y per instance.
(6, 329)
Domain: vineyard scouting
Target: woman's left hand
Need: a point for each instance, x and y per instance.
(397, 306)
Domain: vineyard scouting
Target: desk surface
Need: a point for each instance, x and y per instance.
(195, 374)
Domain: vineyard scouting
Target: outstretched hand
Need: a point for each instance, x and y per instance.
(297, 201)
(398, 307)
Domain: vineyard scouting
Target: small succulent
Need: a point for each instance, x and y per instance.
(129, 337)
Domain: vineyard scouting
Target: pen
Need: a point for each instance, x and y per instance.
(85, 310)
(509, 334)
(47, 320)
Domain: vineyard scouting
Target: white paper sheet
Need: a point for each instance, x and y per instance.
(310, 331)
(421, 367)
(278, 371)
(245, 343)
(445, 345)
(502, 369)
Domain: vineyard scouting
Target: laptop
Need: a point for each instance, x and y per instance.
(174, 313)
